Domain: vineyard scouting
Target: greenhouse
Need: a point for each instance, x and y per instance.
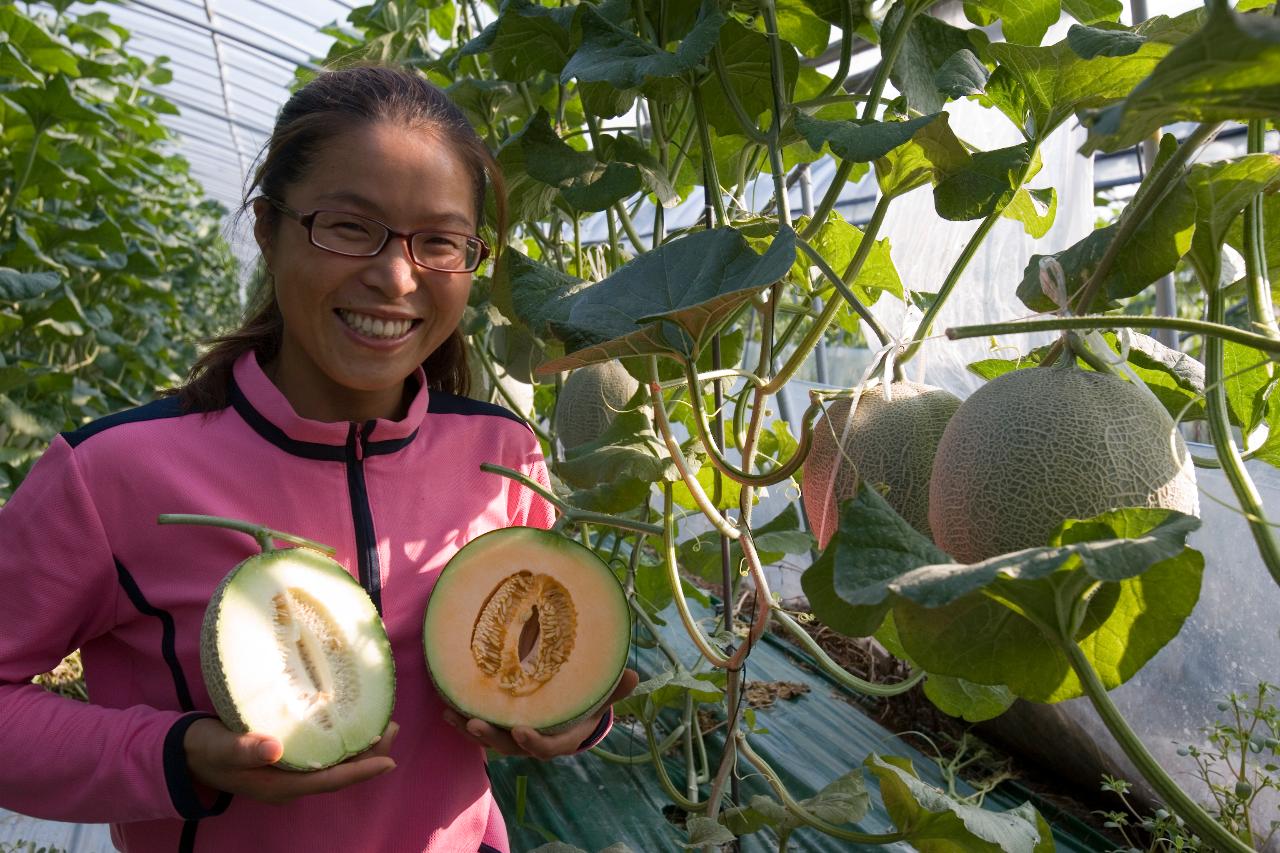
(592, 426)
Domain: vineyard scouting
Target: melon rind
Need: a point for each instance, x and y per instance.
(1037, 446)
(590, 399)
(888, 443)
(596, 664)
(243, 662)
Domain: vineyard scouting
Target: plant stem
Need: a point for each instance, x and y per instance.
(644, 757)
(264, 535)
(748, 124)
(673, 577)
(578, 516)
(1135, 213)
(846, 50)
(1116, 321)
(1261, 307)
(664, 779)
(776, 165)
(708, 153)
(839, 673)
(1224, 442)
(775, 782)
(1174, 797)
(21, 184)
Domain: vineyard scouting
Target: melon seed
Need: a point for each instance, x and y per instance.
(525, 632)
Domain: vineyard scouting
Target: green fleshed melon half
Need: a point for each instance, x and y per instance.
(526, 628)
(590, 399)
(293, 647)
(1034, 447)
(887, 442)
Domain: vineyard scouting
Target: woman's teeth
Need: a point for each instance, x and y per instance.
(373, 327)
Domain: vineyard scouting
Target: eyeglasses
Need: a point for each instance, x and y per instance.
(361, 237)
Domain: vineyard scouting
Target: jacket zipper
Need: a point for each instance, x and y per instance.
(362, 515)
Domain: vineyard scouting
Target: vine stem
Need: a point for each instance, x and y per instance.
(11, 201)
(1216, 835)
(775, 782)
(839, 673)
(1261, 308)
(708, 153)
(1117, 321)
(644, 757)
(264, 535)
(776, 164)
(1220, 429)
(1137, 211)
(569, 511)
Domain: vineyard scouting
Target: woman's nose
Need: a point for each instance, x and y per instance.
(395, 272)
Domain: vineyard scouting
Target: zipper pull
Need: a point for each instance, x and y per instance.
(358, 437)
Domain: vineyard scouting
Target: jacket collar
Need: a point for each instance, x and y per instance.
(266, 409)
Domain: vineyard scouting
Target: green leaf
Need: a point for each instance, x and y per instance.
(971, 702)
(9, 323)
(987, 183)
(799, 25)
(705, 831)
(1023, 21)
(1153, 251)
(962, 74)
(781, 536)
(933, 150)
(1150, 584)
(1222, 190)
(748, 61)
(55, 103)
(35, 44)
(1093, 11)
(628, 450)
(524, 39)
(1035, 209)
(1249, 376)
(534, 294)
(669, 300)
(844, 800)
(929, 46)
(872, 545)
(610, 54)
(16, 286)
(837, 242)
(1228, 70)
(1089, 42)
(1055, 82)
(625, 149)
(859, 141)
(936, 823)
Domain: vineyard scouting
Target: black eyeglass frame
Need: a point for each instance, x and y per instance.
(306, 220)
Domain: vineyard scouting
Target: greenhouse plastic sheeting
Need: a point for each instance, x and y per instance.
(812, 740)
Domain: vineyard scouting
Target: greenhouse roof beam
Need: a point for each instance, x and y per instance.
(225, 85)
(156, 9)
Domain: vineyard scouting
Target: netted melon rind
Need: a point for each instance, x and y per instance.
(1034, 447)
(888, 443)
(590, 399)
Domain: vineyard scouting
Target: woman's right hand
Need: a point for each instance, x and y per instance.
(241, 764)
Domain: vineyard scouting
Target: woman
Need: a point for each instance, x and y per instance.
(332, 413)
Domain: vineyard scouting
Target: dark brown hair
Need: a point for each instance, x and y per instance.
(333, 103)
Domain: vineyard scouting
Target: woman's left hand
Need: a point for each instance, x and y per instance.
(523, 740)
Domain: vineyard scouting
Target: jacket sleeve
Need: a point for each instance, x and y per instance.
(64, 759)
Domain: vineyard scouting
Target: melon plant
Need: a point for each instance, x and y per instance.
(591, 398)
(1034, 447)
(293, 647)
(526, 628)
(889, 441)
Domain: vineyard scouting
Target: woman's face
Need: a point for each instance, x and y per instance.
(356, 328)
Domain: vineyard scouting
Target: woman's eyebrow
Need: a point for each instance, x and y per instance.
(441, 219)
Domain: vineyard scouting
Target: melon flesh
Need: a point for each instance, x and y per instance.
(590, 399)
(293, 647)
(1037, 446)
(526, 628)
(889, 443)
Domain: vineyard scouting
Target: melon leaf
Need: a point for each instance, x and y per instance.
(837, 242)
(668, 301)
(628, 449)
(585, 182)
(1228, 70)
(935, 823)
(613, 55)
(932, 150)
(971, 702)
(705, 831)
(524, 39)
(781, 536)
(1222, 190)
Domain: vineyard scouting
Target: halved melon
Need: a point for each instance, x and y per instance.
(293, 647)
(526, 628)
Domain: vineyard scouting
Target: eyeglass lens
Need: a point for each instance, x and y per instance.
(350, 234)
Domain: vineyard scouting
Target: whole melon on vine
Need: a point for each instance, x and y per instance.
(1034, 447)
(888, 442)
(590, 399)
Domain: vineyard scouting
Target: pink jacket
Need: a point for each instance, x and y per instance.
(83, 564)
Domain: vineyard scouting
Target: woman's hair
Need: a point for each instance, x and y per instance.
(333, 103)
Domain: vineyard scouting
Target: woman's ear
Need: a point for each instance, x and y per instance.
(264, 220)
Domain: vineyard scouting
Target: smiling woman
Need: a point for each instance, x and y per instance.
(333, 413)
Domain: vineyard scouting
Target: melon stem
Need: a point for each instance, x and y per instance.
(1212, 832)
(793, 806)
(839, 673)
(1117, 321)
(569, 511)
(264, 535)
